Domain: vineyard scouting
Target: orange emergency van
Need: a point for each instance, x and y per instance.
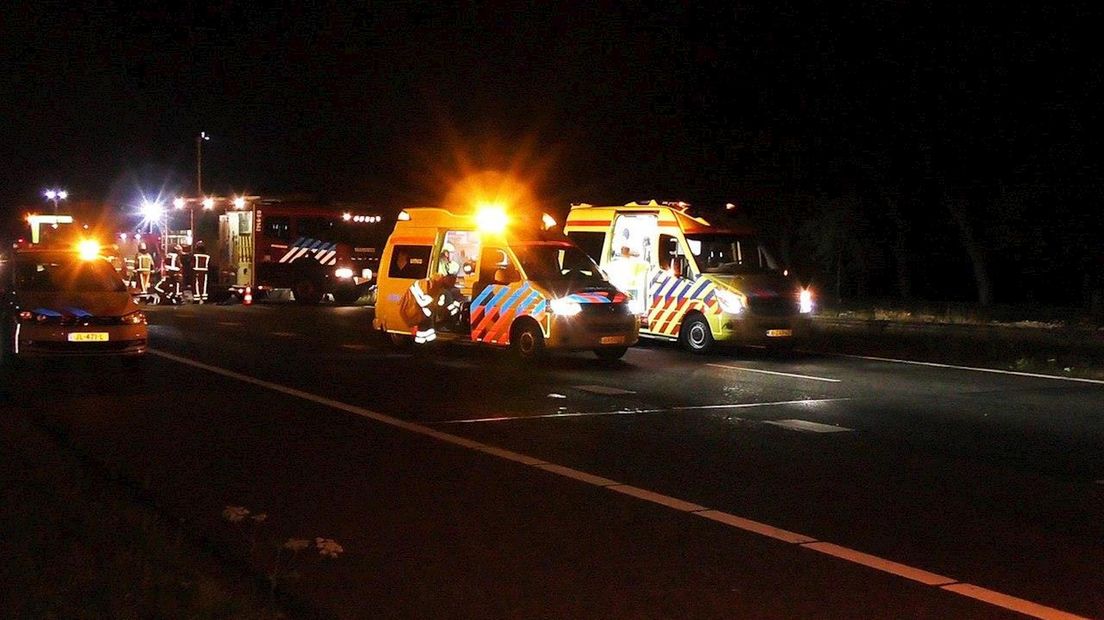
(690, 280)
(520, 284)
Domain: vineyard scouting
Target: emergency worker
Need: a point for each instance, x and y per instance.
(421, 303)
(143, 265)
(446, 263)
(627, 272)
(200, 263)
(169, 285)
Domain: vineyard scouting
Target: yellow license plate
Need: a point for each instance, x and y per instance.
(612, 339)
(779, 333)
(88, 337)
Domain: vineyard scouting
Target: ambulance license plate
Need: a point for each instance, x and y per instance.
(612, 340)
(779, 333)
(88, 337)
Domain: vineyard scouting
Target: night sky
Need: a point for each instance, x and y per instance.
(791, 109)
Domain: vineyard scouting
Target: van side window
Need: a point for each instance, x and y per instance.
(668, 248)
(409, 261)
(490, 261)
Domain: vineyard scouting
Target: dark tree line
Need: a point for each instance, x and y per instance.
(911, 151)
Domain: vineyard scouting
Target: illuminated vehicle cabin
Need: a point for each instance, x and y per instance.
(523, 285)
(67, 301)
(690, 280)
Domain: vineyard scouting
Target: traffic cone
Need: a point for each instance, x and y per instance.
(247, 299)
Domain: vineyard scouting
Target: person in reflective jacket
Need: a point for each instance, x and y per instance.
(169, 285)
(143, 265)
(422, 301)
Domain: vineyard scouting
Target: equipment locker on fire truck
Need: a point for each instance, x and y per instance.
(520, 285)
(691, 280)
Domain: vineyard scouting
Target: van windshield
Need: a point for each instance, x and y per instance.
(730, 253)
(551, 261)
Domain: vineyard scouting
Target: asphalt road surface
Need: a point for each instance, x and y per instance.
(461, 483)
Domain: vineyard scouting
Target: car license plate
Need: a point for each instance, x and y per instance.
(88, 337)
(612, 339)
(779, 333)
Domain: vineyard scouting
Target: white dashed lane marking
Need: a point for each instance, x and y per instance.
(947, 584)
(775, 373)
(806, 426)
(584, 414)
(602, 389)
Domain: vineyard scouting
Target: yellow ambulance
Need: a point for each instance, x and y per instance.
(692, 281)
(522, 284)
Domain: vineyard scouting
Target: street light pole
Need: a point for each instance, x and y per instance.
(200, 139)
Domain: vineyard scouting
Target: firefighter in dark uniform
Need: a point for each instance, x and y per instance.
(169, 285)
(201, 261)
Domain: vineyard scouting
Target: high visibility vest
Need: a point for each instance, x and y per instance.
(415, 304)
(172, 261)
(200, 261)
(144, 262)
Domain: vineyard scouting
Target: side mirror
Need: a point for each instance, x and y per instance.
(506, 275)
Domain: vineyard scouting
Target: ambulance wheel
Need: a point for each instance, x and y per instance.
(611, 354)
(307, 292)
(526, 340)
(695, 335)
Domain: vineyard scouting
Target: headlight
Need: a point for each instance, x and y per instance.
(343, 272)
(135, 318)
(806, 300)
(565, 307)
(731, 302)
(26, 316)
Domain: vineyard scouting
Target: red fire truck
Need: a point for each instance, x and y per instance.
(310, 248)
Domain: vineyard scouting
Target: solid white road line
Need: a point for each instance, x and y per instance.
(996, 371)
(771, 372)
(981, 594)
(585, 414)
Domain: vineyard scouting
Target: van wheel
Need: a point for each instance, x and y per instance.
(307, 292)
(611, 354)
(527, 341)
(695, 335)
